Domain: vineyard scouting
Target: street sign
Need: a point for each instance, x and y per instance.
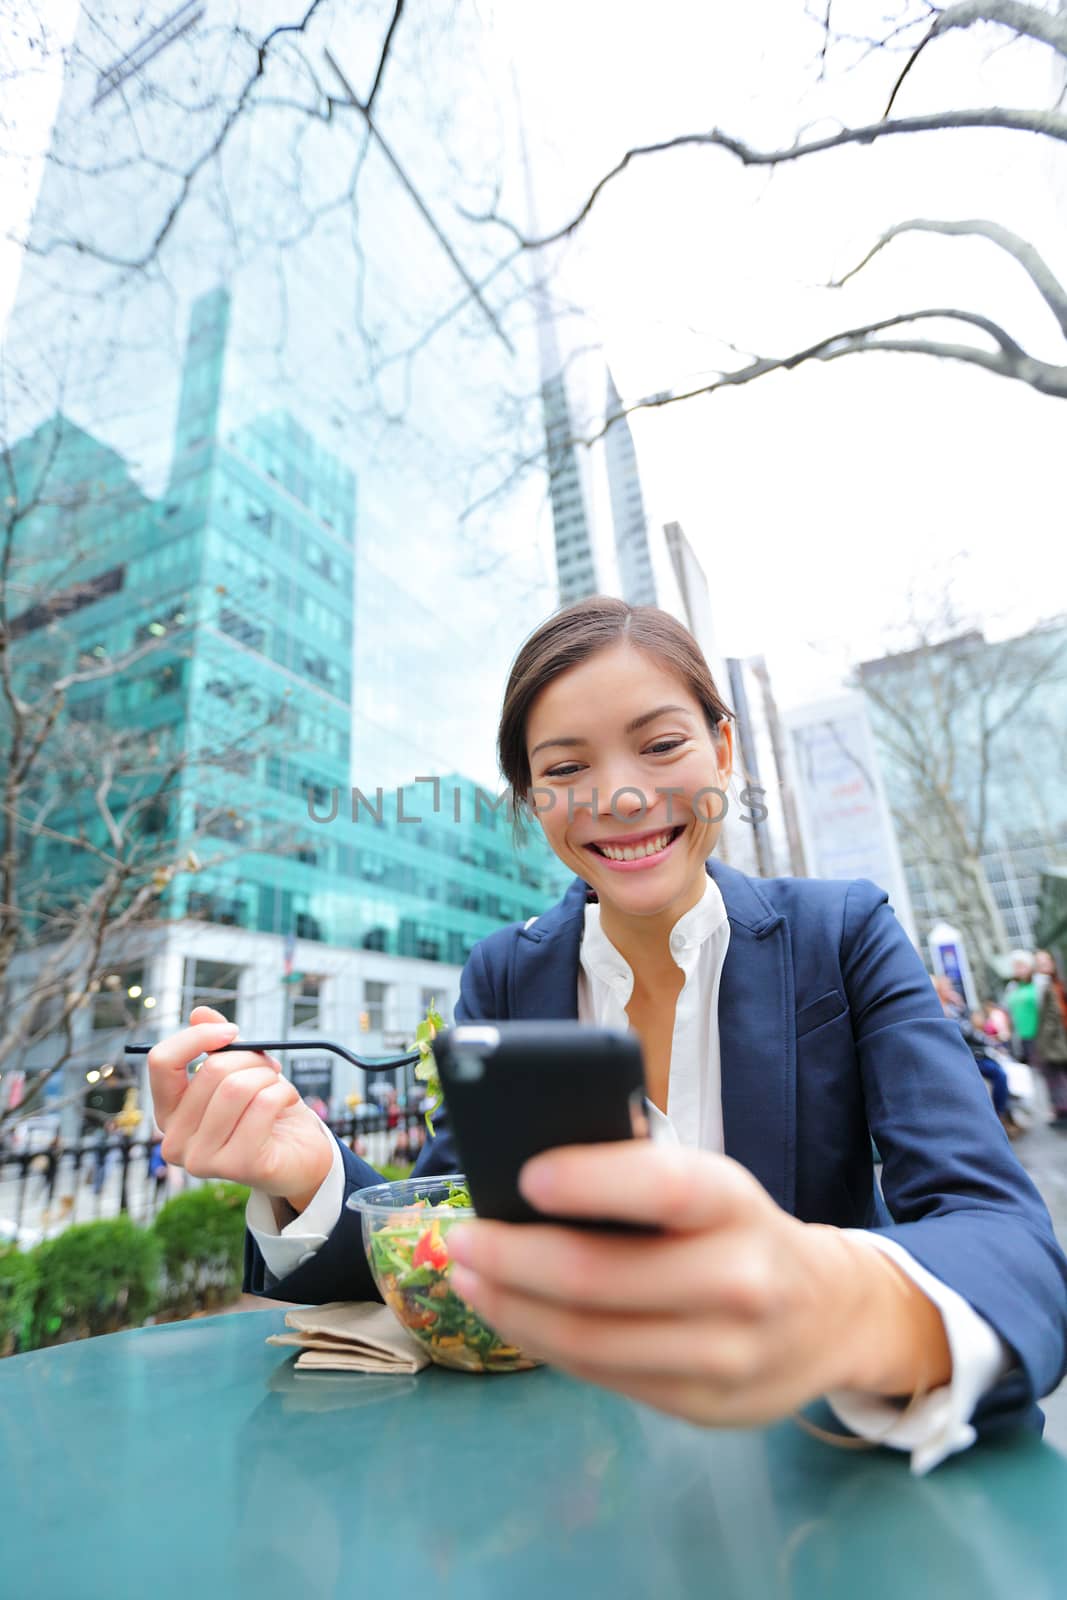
(948, 954)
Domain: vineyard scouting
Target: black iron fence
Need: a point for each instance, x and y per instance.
(43, 1190)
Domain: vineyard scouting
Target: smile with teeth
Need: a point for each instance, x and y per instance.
(648, 847)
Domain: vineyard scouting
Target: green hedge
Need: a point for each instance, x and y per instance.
(201, 1234)
(98, 1277)
(18, 1295)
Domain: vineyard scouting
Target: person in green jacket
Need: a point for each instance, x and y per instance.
(1021, 1000)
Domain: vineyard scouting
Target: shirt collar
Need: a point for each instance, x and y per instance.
(599, 956)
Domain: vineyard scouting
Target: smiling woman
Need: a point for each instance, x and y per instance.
(641, 801)
(783, 1023)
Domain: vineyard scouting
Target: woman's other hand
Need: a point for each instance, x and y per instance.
(237, 1117)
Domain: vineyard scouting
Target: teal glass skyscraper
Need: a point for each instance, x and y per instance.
(269, 494)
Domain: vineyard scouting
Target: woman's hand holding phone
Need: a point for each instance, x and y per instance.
(733, 1314)
(237, 1117)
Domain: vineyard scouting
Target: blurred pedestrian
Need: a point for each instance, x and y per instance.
(970, 1025)
(952, 1002)
(996, 1023)
(1021, 1002)
(49, 1170)
(1050, 1043)
(157, 1166)
(105, 1156)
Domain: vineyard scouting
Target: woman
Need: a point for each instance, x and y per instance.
(782, 1022)
(1050, 1041)
(1023, 1003)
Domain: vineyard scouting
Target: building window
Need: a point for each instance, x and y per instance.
(67, 601)
(210, 983)
(121, 1001)
(304, 1001)
(306, 926)
(245, 632)
(374, 997)
(208, 907)
(160, 626)
(90, 708)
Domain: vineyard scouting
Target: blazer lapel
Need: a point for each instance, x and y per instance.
(757, 1038)
(543, 978)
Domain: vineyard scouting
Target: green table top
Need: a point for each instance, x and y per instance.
(191, 1460)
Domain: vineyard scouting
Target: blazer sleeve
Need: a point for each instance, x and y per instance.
(958, 1199)
(338, 1270)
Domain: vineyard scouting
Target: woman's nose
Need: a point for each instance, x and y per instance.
(622, 796)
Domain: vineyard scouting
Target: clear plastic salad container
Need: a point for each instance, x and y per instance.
(405, 1235)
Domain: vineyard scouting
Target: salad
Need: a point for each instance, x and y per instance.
(426, 1071)
(410, 1262)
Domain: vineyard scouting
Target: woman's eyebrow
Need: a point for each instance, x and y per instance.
(631, 727)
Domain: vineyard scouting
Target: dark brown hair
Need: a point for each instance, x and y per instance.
(572, 635)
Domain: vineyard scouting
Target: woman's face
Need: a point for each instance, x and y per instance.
(606, 741)
(1043, 962)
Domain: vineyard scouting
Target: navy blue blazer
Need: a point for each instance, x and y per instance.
(830, 1032)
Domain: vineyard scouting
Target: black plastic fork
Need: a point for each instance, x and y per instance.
(387, 1064)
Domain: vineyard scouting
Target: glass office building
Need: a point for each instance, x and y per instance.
(261, 411)
(628, 515)
(985, 720)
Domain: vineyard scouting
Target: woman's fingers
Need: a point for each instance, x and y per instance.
(644, 1345)
(681, 1273)
(169, 1059)
(203, 1087)
(637, 1181)
(206, 1014)
(249, 1149)
(223, 1114)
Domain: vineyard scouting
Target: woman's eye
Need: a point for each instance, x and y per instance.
(662, 747)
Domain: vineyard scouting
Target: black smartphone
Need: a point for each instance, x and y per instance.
(513, 1089)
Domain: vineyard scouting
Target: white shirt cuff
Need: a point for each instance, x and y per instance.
(288, 1244)
(937, 1425)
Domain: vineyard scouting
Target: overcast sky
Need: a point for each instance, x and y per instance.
(815, 500)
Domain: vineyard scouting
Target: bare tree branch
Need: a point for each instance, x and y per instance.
(1010, 361)
(1024, 21)
(387, 45)
(1049, 123)
(1034, 265)
(424, 211)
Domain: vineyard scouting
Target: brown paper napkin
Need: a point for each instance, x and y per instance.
(350, 1336)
